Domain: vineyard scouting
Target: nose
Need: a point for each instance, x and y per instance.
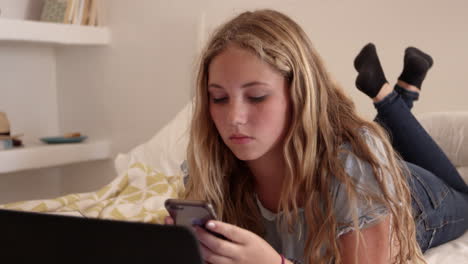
(237, 113)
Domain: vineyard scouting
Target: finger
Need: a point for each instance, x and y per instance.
(216, 245)
(211, 257)
(235, 234)
(168, 220)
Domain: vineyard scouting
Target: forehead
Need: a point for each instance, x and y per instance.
(235, 64)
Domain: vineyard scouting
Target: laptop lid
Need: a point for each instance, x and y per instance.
(28, 236)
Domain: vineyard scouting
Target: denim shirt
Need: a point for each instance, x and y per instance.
(291, 245)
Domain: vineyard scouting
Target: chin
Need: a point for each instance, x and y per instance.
(246, 156)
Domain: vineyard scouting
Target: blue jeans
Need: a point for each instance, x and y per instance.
(439, 194)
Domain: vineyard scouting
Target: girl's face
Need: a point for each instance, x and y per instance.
(249, 103)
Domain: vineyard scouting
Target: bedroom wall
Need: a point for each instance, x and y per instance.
(144, 78)
(28, 95)
(129, 90)
(339, 29)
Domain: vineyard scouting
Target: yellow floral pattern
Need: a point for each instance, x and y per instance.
(138, 194)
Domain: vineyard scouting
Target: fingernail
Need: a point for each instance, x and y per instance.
(211, 225)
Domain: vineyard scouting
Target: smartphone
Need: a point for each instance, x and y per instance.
(191, 212)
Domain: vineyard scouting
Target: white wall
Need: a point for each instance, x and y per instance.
(339, 29)
(145, 77)
(20, 9)
(28, 95)
(129, 90)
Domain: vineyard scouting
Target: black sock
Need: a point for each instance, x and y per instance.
(370, 77)
(416, 65)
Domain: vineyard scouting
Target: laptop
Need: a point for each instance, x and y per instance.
(28, 236)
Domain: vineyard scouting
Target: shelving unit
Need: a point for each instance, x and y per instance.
(52, 33)
(35, 156)
(43, 156)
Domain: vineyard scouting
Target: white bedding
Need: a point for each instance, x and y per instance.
(450, 131)
(453, 252)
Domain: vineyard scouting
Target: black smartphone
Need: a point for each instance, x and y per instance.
(191, 212)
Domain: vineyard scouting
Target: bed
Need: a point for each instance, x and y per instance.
(154, 171)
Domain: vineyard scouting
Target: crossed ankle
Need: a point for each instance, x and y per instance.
(408, 86)
(384, 91)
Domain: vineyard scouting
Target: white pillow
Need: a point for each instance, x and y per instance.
(166, 151)
(450, 131)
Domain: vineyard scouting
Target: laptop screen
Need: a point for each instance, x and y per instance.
(28, 236)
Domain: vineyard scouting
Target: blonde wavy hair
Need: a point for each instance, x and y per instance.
(322, 119)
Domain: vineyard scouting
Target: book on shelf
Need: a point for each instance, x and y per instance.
(77, 12)
(54, 10)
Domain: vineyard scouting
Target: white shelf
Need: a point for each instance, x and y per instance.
(43, 156)
(52, 33)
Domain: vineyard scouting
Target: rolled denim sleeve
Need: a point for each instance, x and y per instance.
(368, 212)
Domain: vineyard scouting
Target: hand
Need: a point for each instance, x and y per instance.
(242, 247)
(168, 220)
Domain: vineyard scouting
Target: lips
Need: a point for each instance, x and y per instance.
(240, 139)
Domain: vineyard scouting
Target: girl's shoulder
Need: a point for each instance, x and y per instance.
(365, 182)
(373, 142)
(358, 168)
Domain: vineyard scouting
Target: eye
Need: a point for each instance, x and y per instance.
(257, 99)
(219, 100)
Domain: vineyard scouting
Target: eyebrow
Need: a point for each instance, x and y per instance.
(245, 85)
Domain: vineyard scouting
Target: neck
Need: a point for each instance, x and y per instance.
(268, 172)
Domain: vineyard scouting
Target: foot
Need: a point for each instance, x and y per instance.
(416, 65)
(370, 77)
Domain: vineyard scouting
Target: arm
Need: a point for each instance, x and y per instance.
(374, 245)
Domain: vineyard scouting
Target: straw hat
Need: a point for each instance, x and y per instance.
(4, 124)
(5, 128)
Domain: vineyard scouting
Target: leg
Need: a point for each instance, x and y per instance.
(441, 213)
(407, 95)
(413, 143)
(409, 138)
